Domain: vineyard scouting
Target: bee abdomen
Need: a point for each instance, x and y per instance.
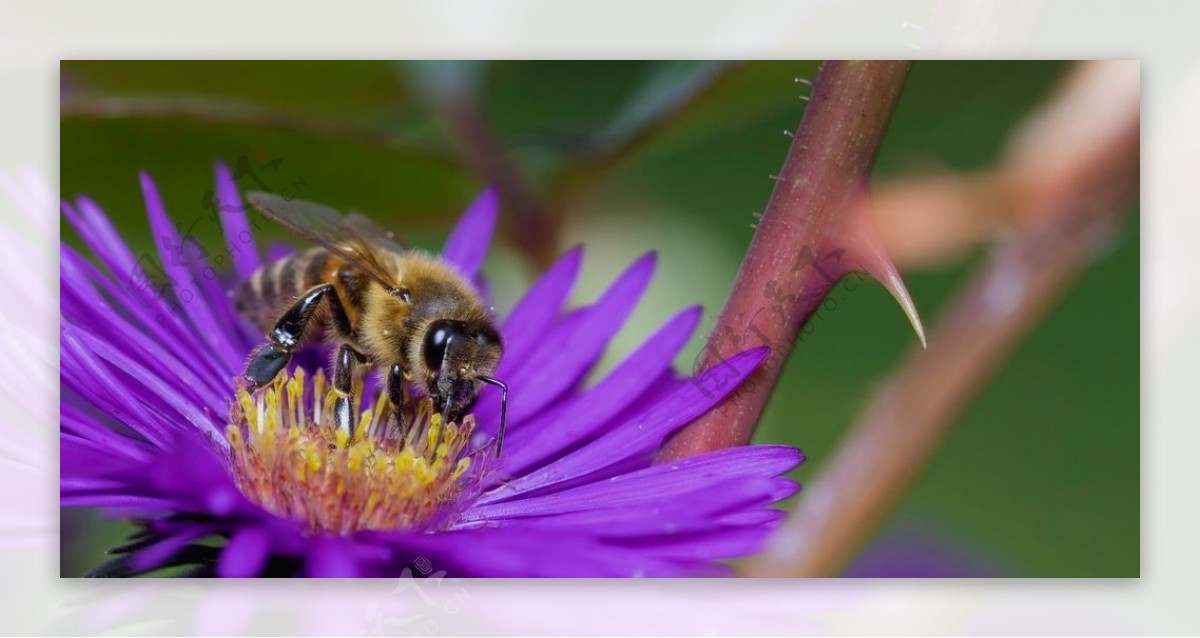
(276, 285)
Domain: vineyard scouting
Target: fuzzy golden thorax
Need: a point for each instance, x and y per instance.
(392, 330)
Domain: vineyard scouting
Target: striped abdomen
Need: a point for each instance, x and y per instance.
(271, 290)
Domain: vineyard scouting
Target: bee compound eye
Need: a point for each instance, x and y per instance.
(436, 340)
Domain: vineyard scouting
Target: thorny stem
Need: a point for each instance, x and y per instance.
(911, 412)
(804, 243)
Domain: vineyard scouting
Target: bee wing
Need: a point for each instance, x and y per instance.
(367, 227)
(331, 230)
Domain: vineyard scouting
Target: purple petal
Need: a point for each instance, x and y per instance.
(659, 390)
(647, 430)
(129, 284)
(468, 242)
(162, 551)
(238, 238)
(245, 555)
(689, 513)
(624, 384)
(204, 276)
(277, 251)
(80, 458)
(95, 383)
(100, 237)
(332, 558)
(564, 355)
(140, 503)
(137, 308)
(149, 391)
(540, 306)
(765, 517)
(187, 475)
(85, 485)
(504, 553)
(75, 422)
(172, 253)
(708, 545)
(908, 549)
(657, 482)
(87, 307)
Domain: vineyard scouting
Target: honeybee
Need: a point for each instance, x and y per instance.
(403, 312)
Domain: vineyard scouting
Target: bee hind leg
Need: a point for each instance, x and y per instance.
(267, 360)
(264, 364)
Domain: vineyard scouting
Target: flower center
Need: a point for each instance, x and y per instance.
(289, 458)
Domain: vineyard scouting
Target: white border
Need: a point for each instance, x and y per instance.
(34, 36)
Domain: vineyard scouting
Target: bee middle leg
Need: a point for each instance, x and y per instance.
(396, 377)
(344, 414)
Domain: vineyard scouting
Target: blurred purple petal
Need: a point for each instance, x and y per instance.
(909, 549)
(245, 555)
(162, 551)
(238, 238)
(332, 558)
(468, 242)
(173, 254)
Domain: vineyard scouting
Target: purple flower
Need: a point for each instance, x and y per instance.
(152, 430)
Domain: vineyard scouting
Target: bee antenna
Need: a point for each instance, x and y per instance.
(503, 410)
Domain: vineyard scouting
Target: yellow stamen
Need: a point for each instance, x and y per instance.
(295, 462)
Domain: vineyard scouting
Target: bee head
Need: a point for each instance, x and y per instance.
(459, 357)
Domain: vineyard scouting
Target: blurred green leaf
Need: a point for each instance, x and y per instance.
(101, 158)
(668, 90)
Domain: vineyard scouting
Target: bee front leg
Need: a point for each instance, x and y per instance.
(267, 360)
(396, 396)
(344, 414)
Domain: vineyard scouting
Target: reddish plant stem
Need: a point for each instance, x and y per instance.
(794, 256)
(529, 224)
(910, 414)
(221, 110)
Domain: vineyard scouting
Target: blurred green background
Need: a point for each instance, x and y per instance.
(1040, 476)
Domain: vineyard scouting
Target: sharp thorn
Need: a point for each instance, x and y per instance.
(865, 248)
